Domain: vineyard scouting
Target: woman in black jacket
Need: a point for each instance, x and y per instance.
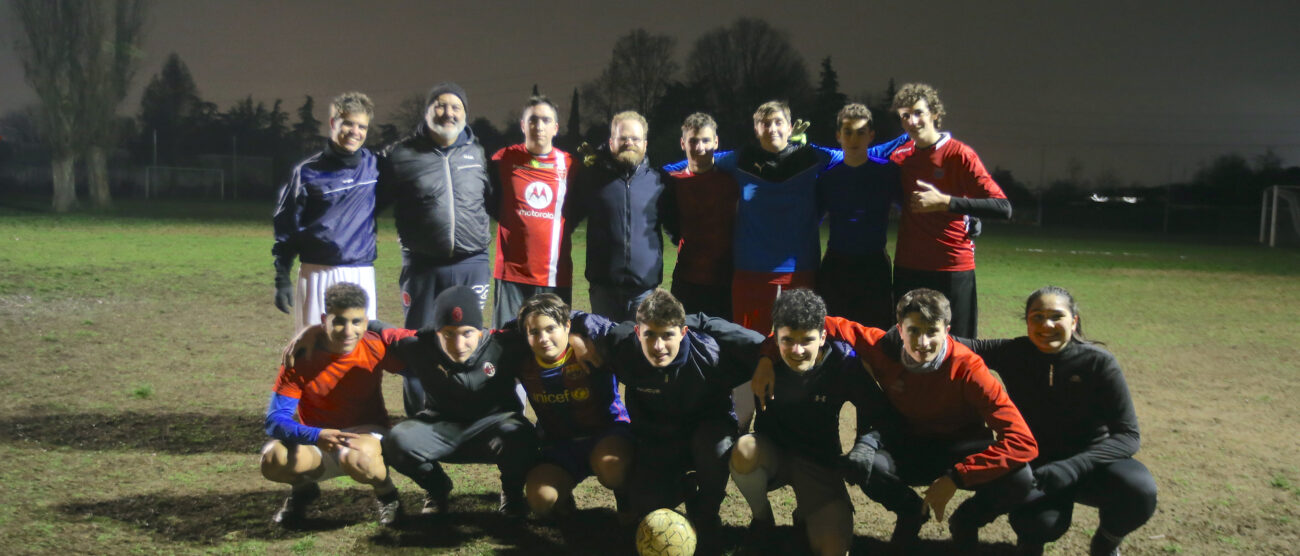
(1072, 394)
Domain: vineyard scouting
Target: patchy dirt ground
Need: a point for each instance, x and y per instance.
(131, 402)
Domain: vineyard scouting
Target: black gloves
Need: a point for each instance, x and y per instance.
(283, 291)
(1053, 477)
(856, 465)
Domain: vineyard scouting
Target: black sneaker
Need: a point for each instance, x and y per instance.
(513, 504)
(435, 503)
(759, 538)
(1104, 545)
(1025, 548)
(965, 537)
(294, 510)
(389, 509)
(907, 531)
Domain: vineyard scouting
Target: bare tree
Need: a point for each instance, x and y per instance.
(640, 70)
(409, 113)
(118, 28)
(742, 65)
(74, 56)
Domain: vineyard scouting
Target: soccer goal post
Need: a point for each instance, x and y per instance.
(1274, 197)
(175, 181)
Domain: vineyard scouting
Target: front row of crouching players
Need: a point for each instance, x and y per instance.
(679, 372)
(959, 428)
(335, 390)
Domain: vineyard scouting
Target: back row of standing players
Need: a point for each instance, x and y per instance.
(759, 207)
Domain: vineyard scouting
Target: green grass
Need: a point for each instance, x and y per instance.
(141, 343)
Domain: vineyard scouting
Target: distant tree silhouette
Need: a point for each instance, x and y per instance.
(640, 69)
(741, 65)
(827, 102)
(306, 133)
(79, 57)
(172, 108)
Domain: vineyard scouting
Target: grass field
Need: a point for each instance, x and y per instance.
(139, 347)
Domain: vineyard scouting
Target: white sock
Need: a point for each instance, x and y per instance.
(753, 486)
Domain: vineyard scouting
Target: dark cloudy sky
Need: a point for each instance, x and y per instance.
(1147, 90)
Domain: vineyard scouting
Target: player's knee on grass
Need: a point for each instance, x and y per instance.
(830, 529)
(364, 461)
(288, 464)
(545, 486)
(744, 456)
(610, 461)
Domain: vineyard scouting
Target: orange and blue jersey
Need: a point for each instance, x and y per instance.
(334, 391)
(570, 400)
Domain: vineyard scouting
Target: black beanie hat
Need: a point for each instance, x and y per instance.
(457, 306)
(444, 88)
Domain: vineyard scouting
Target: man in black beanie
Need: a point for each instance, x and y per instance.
(470, 413)
(437, 180)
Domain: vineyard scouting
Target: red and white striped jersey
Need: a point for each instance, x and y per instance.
(532, 247)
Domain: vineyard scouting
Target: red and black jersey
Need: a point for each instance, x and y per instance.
(532, 247)
(958, 400)
(940, 240)
(701, 219)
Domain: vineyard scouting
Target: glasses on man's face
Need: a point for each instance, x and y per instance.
(632, 140)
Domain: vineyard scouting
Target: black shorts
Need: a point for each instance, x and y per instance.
(958, 287)
(858, 288)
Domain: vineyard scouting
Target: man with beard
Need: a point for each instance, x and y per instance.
(619, 194)
(533, 252)
(437, 178)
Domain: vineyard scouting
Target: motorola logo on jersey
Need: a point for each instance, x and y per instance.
(538, 195)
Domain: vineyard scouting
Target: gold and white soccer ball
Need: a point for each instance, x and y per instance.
(665, 533)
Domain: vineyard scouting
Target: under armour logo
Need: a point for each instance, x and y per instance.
(819, 398)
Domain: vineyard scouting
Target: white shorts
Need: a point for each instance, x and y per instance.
(314, 279)
(329, 461)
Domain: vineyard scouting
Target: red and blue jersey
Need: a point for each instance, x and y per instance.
(570, 400)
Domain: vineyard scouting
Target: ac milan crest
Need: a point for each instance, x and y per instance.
(457, 314)
(488, 368)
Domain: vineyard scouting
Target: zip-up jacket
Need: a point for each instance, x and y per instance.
(464, 392)
(959, 400)
(440, 194)
(1075, 401)
(326, 212)
(715, 357)
(624, 243)
(805, 418)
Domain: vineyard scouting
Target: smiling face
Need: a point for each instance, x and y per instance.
(344, 329)
(539, 125)
(1050, 323)
(549, 339)
(459, 342)
(699, 146)
(627, 142)
(919, 123)
(922, 339)
(660, 342)
(800, 349)
(348, 131)
(445, 118)
(773, 131)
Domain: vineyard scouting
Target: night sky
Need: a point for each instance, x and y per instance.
(1148, 92)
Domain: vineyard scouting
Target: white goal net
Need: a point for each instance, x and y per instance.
(1281, 203)
(161, 182)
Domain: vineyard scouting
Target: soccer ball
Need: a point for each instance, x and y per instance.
(665, 533)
